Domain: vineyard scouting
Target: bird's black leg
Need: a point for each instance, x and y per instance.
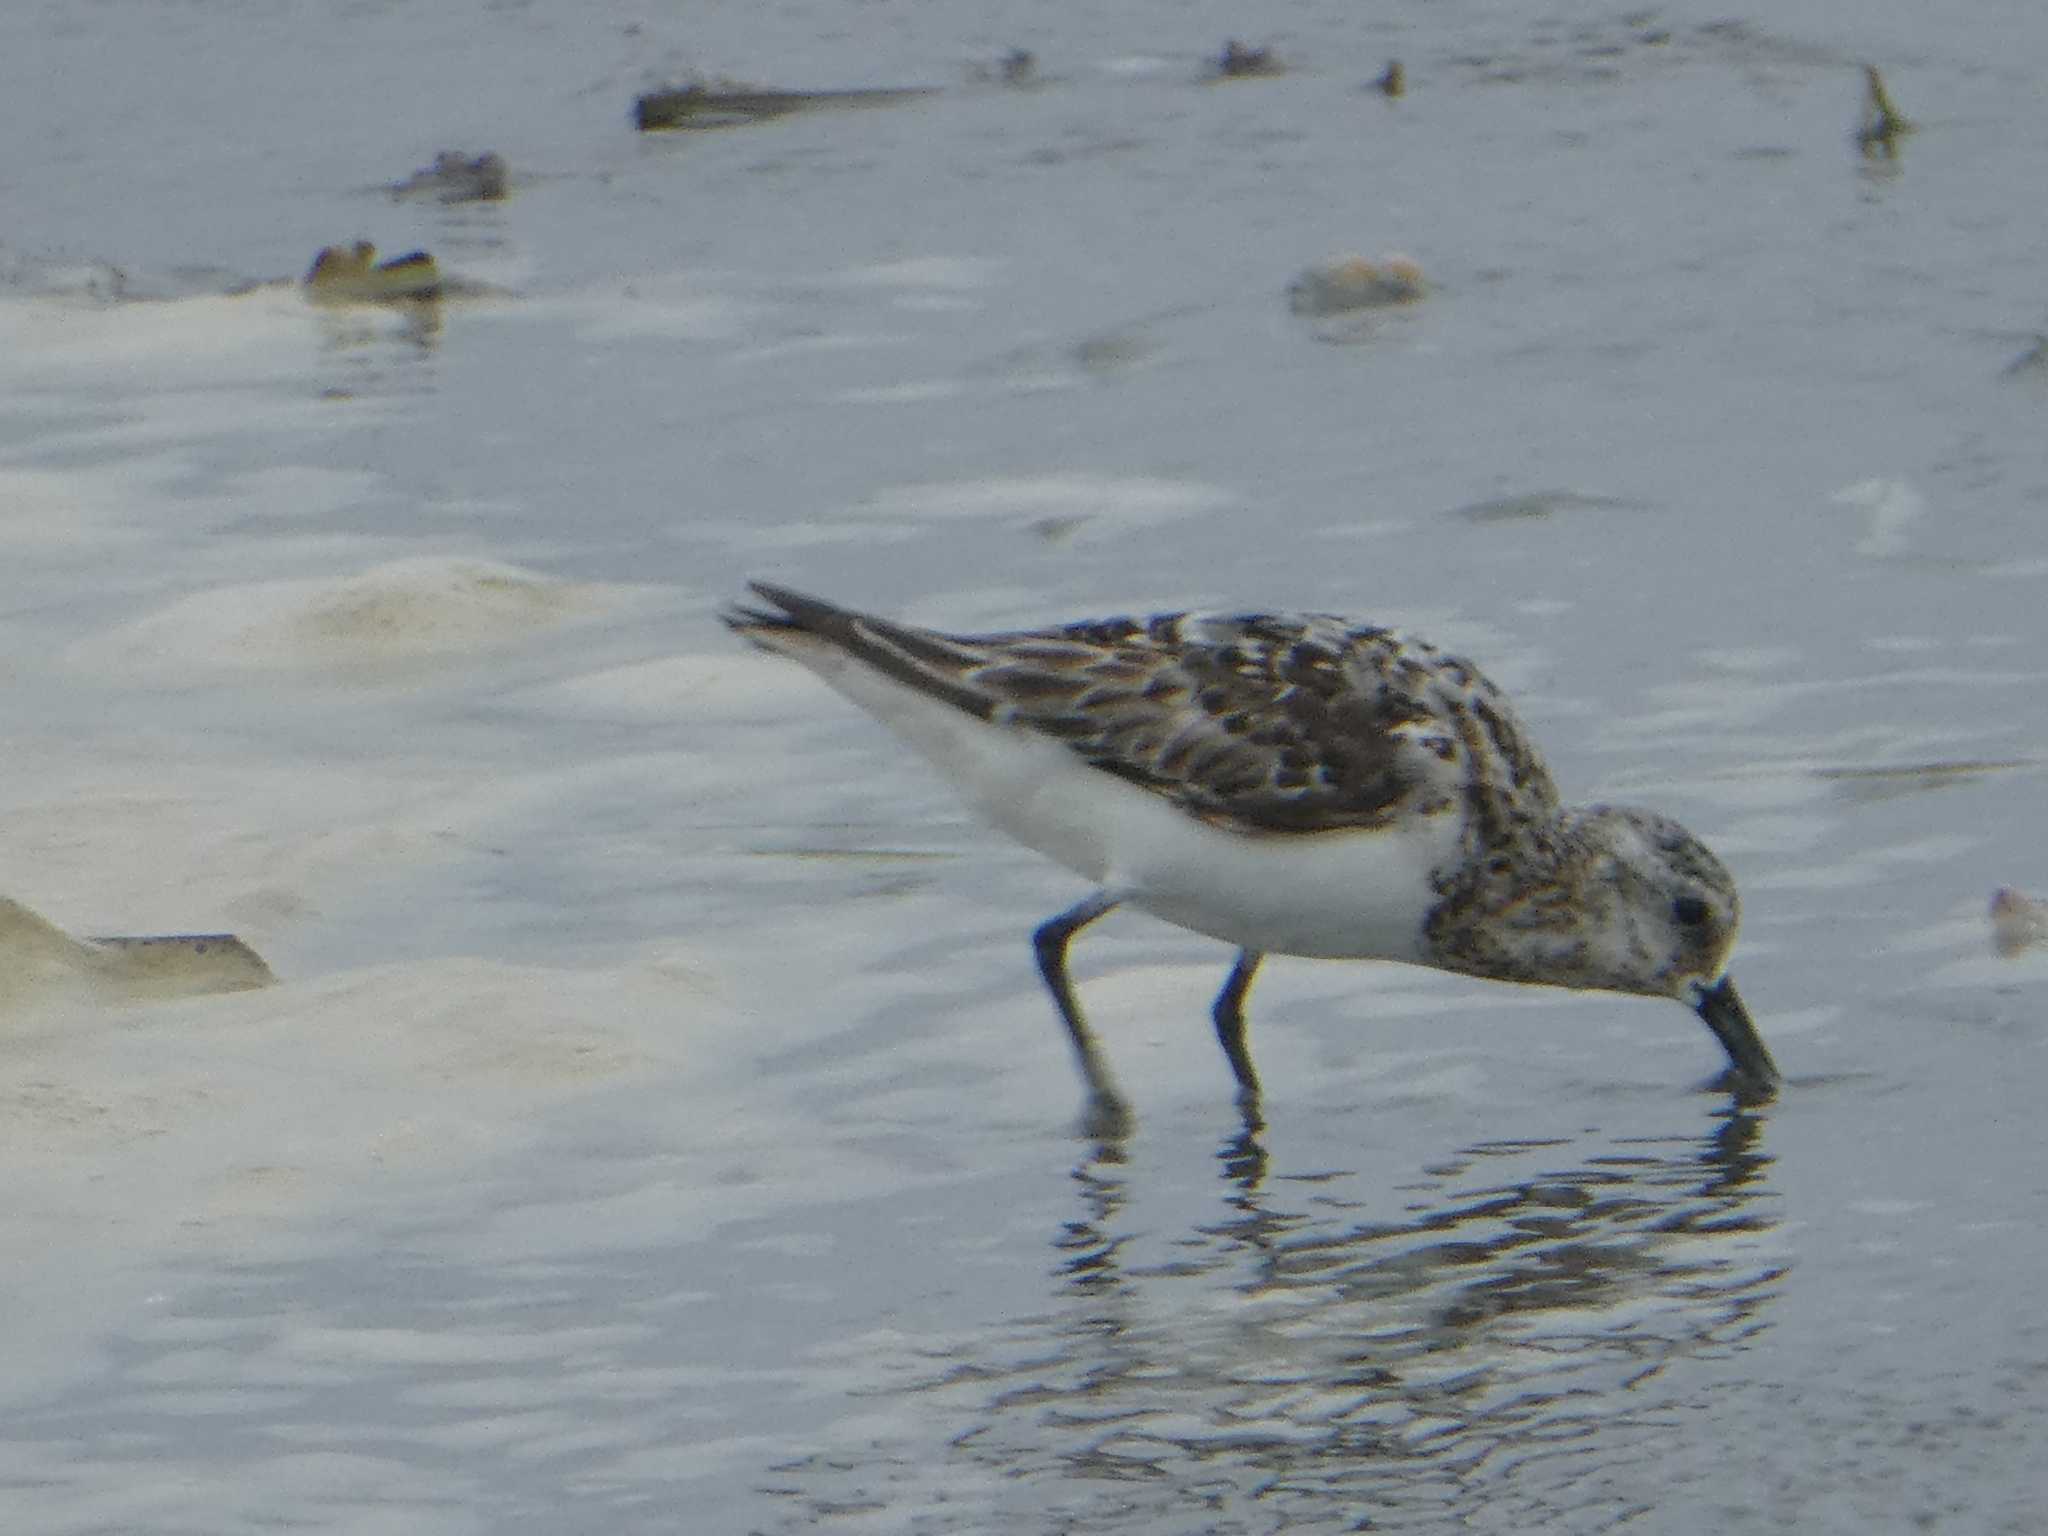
(1108, 1111)
(1229, 1016)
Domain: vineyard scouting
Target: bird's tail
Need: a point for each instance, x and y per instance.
(811, 630)
(793, 615)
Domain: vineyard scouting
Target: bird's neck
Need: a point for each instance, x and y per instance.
(1521, 917)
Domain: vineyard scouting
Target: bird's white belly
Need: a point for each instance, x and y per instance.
(1356, 894)
(1353, 894)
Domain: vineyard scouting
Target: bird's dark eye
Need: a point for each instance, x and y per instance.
(1689, 911)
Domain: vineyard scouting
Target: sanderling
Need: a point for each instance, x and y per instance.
(1291, 784)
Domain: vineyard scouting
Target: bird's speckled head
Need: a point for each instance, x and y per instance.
(1677, 910)
(1674, 916)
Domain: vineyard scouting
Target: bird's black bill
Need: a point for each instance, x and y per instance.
(1729, 1020)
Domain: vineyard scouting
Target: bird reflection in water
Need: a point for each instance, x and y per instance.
(1347, 1357)
(1298, 1364)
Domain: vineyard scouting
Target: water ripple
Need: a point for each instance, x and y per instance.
(1487, 1359)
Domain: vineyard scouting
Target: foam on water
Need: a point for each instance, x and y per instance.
(424, 607)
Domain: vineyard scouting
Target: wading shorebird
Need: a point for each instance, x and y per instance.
(1291, 784)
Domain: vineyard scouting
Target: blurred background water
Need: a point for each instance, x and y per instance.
(657, 1124)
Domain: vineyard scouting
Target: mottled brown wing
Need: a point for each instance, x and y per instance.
(1260, 722)
(1269, 723)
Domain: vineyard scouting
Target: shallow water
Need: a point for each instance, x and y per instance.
(658, 1124)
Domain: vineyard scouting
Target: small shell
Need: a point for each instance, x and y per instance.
(2018, 922)
(1355, 283)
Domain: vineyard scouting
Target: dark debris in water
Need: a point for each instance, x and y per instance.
(1532, 505)
(725, 104)
(1241, 61)
(1882, 125)
(2032, 363)
(455, 177)
(1018, 67)
(354, 275)
(1889, 781)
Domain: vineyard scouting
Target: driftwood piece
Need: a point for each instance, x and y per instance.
(37, 958)
(723, 105)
